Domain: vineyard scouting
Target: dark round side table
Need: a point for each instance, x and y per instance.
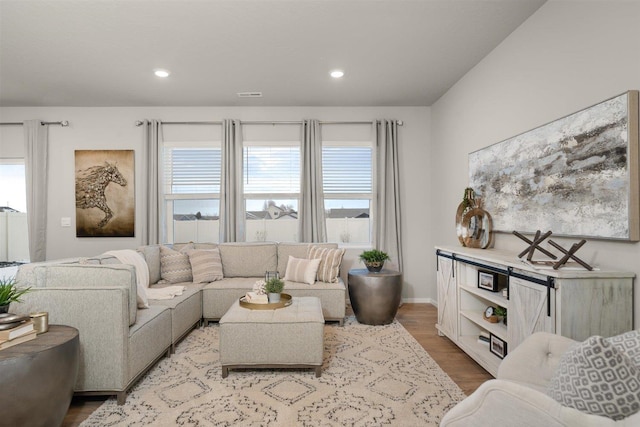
(375, 297)
(37, 378)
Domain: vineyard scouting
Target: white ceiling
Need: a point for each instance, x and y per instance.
(102, 53)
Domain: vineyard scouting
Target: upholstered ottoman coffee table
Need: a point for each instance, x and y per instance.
(288, 337)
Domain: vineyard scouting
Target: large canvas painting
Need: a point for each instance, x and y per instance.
(576, 176)
(105, 194)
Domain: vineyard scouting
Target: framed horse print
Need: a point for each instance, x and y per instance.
(105, 193)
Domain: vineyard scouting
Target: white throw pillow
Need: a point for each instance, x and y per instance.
(302, 270)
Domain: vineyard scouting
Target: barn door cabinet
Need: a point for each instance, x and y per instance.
(575, 303)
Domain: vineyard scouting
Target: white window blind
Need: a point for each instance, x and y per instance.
(192, 170)
(347, 170)
(271, 169)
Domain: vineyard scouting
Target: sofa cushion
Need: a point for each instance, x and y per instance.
(302, 270)
(174, 265)
(599, 378)
(206, 265)
(151, 255)
(248, 259)
(330, 260)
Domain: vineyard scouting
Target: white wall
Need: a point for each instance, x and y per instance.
(567, 56)
(113, 128)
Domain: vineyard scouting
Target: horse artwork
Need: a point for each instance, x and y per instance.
(105, 197)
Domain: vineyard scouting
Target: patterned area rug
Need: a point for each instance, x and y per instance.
(371, 376)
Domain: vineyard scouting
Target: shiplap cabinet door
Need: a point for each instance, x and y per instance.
(527, 311)
(447, 298)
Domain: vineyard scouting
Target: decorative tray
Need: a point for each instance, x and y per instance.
(285, 300)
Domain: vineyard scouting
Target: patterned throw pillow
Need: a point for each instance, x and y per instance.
(174, 265)
(206, 265)
(629, 342)
(302, 270)
(330, 260)
(598, 378)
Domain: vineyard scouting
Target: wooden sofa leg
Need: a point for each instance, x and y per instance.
(121, 397)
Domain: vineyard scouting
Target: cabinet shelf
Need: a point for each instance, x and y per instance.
(493, 297)
(497, 329)
(480, 353)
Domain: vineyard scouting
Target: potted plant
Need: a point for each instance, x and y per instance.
(10, 292)
(374, 259)
(274, 287)
(501, 312)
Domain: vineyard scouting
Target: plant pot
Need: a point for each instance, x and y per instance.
(4, 308)
(273, 297)
(374, 267)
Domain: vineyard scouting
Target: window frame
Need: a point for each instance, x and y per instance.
(266, 195)
(372, 197)
(168, 198)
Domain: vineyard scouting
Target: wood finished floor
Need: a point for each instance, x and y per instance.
(418, 319)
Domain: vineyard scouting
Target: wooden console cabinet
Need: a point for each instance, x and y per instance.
(572, 302)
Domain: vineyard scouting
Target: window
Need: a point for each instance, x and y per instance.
(14, 232)
(191, 172)
(271, 190)
(347, 174)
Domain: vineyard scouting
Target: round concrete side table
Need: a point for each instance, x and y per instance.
(375, 297)
(37, 378)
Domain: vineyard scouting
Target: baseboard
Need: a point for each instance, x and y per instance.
(419, 301)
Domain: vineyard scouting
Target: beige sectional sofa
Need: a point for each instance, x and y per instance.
(118, 341)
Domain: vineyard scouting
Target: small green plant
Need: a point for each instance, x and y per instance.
(274, 286)
(373, 255)
(500, 311)
(10, 292)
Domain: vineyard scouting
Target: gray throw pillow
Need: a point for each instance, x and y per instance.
(174, 265)
(599, 378)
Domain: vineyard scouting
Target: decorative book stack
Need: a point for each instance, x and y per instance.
(14, 330)
(484, 338)
(255, 298)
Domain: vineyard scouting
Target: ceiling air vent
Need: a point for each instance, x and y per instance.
(249, 94)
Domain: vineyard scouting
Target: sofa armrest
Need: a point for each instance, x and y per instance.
(499, 402)
(101, 315)
(83, 276)
(535, 360)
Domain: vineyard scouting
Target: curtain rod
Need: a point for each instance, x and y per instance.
(292, 122)
(63, 123)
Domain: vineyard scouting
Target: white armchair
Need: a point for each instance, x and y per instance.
(517, 396)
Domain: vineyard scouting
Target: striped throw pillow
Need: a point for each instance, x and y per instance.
(174, 265)
(330, 260)
(302, 270)
(206, 265)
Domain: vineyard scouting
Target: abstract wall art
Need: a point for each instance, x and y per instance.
(577, 176)
(105, 194)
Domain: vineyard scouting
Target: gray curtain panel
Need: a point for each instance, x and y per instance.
(152, 155)
(36, 148)
(387, 233)
(311, 223)
(231, 200)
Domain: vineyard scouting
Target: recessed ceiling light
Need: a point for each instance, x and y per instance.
(336, 74)
(161, 73)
